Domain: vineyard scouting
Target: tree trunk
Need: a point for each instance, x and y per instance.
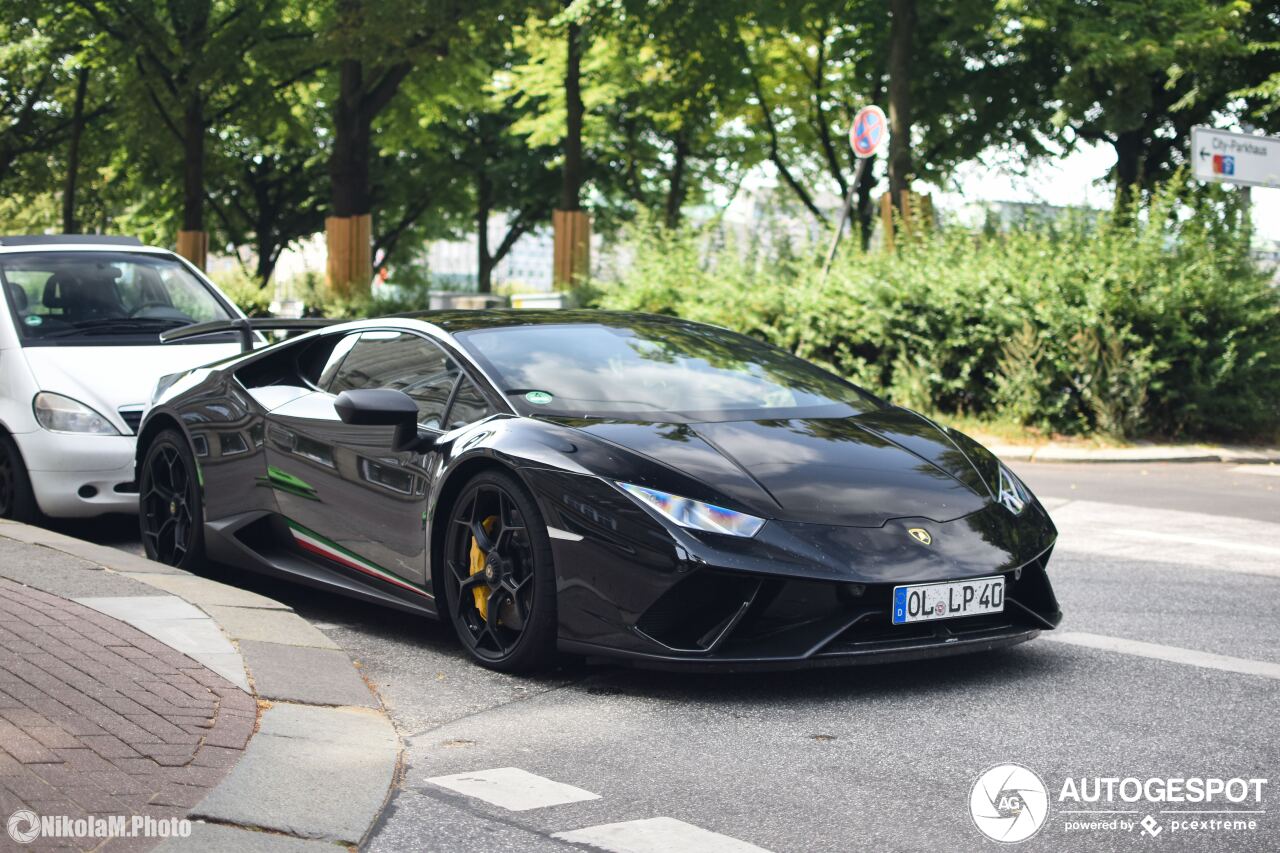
(69, 225)
(484, 261)
(676, 188)
(1129, 147)
(352, 132)
(570, 195)
(268, 254)
(266, 241)
(193, 165)
(901, 38)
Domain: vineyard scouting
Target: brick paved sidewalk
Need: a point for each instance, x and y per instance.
(97, 718)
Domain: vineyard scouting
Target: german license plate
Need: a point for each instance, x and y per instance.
(923, 602)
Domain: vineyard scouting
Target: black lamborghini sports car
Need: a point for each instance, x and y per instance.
(605, 485)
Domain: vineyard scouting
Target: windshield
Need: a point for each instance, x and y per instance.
(655, 369)
(102, 297)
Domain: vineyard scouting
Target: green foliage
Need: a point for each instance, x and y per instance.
(245, 291)
(1154, 323)
(411, 292)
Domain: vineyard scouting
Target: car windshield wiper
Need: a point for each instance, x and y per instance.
(117, 325)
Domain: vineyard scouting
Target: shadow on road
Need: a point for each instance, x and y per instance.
(1000, 669)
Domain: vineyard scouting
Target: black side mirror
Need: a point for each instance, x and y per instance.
(381, 407)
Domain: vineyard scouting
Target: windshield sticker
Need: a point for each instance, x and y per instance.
(538, 398)
(33, 319)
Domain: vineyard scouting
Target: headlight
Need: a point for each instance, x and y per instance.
(1012, 494)
(57, 413)
(695, 515)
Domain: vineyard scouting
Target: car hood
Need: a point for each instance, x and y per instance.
(109, 377)
(857, 471)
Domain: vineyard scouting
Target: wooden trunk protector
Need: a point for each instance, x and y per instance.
(572, 257)
(194, 246)
(349, 271)
(917, 212)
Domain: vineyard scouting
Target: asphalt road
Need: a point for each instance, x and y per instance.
(1167, 666)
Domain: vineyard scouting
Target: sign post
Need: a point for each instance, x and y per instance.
(1235, 158)
(868, 133)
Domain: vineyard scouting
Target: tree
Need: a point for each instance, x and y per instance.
(661, 87)
(508, 174)
(76, 135)
(267, 173)
(1137, 75)
(902, 53)
(377, 46)
(54, 91)
(571, 179)
(812, 65)
(976, 79)
(187, 61)
(37, 73)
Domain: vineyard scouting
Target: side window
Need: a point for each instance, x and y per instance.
(402, 361)
(322, 367)
(469, 405)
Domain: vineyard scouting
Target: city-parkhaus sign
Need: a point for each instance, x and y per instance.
(1235, 158)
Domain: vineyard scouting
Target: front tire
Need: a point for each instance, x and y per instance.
(499, 576)
(171, 511)
(17, 501)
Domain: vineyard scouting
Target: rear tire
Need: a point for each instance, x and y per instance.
(17, 501)
(500, 585)
(170, 503)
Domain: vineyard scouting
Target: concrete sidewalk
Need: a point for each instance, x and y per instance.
(131, 688)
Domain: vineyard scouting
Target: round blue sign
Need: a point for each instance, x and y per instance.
(869, 131)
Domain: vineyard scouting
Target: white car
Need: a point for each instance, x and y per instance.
(80, 356)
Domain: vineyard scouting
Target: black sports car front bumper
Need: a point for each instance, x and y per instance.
(722, 620)
(796, 595)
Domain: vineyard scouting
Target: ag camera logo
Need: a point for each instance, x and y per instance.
(1009, 803)
(23, 826)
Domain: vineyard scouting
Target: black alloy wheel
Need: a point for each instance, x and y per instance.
(170, 512)
(17, 502)
(499, 578)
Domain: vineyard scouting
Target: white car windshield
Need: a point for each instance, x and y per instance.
(96, 298)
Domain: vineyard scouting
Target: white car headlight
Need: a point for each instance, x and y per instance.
(695, 515)
(57, 413)
(1012, 494)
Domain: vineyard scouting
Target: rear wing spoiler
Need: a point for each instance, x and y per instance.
(245, 328)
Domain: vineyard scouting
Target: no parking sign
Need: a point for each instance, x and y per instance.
(869, 131)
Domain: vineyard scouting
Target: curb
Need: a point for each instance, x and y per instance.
(1157, 453)
(319, 768)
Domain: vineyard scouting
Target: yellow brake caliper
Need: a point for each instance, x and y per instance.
(477, 565)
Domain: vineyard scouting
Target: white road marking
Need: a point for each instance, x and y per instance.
(656, 835)
(1162, 536)
(513, 789)
(557, 533)
(1260, 470)
(1173, 537)
(1174, 654)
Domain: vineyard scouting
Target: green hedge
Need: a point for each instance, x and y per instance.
(1154, 324)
